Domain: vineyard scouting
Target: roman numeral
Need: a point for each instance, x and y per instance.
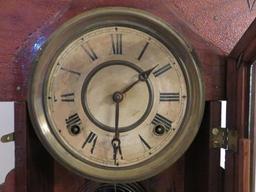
(117, 48)
(68, 97)
(91, 138)
(144, 142)
(169, 96)
(73, 120)
(161, 120)
(89, 51)
(70, 71)
(143, 51)
(162, 70)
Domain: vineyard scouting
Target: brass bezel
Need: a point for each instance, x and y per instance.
(159, 29)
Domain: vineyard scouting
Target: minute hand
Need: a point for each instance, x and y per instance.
(143, 76)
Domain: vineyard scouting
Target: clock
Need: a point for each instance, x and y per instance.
(116, 95)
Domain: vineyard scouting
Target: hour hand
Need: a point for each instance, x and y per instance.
(143, 76)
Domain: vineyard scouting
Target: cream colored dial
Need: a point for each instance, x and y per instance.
(80, 88)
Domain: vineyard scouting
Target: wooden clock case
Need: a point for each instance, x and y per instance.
(27, 24)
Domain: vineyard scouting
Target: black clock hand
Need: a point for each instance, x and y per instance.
(117, 120)
(117, 98)
(130, 86)
(116, 143)
(143, 76)
(115, 147)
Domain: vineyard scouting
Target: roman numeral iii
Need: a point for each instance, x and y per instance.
(169, 96)
(161, 120)
(117, 44)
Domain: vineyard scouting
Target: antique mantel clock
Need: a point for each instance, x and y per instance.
(116, 95)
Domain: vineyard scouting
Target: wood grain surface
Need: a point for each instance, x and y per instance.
(246, 46)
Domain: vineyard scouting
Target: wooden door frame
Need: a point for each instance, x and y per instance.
(237, 174)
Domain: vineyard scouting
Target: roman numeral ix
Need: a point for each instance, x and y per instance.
(169, 96)
(117, 45)
(161, 120)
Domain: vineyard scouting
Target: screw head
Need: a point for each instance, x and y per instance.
(215, 131)
(75, 129)
(143, 77)
(159, 130)
(117, 97)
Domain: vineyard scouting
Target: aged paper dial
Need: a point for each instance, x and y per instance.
(116, 95)
(84, 79)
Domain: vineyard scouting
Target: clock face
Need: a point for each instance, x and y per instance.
(116, 95)
(80, 89)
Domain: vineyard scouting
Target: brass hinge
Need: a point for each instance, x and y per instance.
(223, 138)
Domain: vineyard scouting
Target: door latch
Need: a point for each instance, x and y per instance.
(8, 138)
(223, 138)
